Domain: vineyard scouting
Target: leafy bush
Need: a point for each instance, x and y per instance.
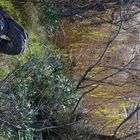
(50, 16)
(35, 93)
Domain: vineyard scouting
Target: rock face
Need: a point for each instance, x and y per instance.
(14, 32)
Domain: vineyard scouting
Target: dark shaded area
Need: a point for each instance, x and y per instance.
(14, 32)
(82, 9)
(97, 6)
(104, 137)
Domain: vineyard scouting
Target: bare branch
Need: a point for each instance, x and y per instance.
(126, 119)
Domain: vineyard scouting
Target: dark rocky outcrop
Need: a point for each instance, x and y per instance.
(15, 32)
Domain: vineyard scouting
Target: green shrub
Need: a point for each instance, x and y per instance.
(50, 16)
(36, 91)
